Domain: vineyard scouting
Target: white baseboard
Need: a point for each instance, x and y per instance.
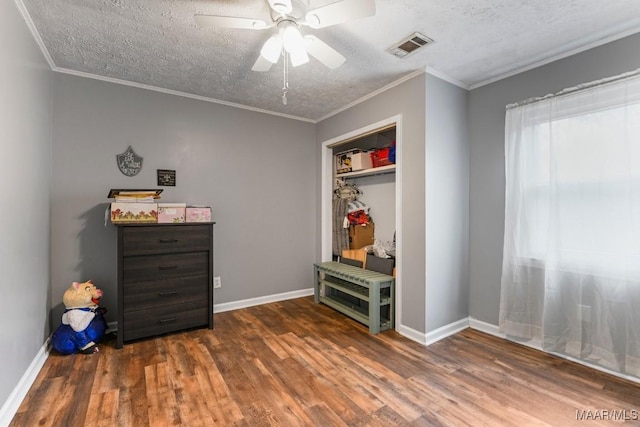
(235, 305)
(596, 367)
(412, 334)
(11, 405)
(433, 336)
(485, 327)
(447, 330)
(491, 329)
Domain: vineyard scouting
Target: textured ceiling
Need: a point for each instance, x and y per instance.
(157, 43)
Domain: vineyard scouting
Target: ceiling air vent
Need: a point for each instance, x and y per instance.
(409, 45)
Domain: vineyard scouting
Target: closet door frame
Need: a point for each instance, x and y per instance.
(327, 164)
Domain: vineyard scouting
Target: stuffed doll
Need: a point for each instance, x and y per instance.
(83, 324)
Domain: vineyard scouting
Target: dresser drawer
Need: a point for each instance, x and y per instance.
(161, 267)
(146, 295)
(144, 323)
(160, 239)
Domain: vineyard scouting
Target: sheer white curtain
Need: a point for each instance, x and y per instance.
(571, 266)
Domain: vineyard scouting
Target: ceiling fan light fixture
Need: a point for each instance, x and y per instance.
(298, 57)
(272, 49)
(289, 42)
(291, 37)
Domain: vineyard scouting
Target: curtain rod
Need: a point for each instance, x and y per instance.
(577, 88)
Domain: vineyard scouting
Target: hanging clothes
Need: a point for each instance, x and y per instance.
(340, 234)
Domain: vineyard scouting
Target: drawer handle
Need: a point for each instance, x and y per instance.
(167, 293)
(170, 319)
(168, 240)
(167, 267)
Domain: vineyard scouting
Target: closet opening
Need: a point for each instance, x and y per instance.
(361, 198)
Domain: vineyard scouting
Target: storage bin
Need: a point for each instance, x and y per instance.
(380, 157)
(122, 212)
(352, 161)
(171, 213)
(198, 214)
(360, 161)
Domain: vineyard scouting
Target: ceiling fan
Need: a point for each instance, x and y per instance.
(288, 41)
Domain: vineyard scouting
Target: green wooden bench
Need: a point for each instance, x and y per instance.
(372, 293)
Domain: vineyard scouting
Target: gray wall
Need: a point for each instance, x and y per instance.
(379, 193)
(257, 171)
(25, 135)
(447, 204)
(407, 99)
(487, 182)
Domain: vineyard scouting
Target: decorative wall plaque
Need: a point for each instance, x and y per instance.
(129, 162)
(167, 177)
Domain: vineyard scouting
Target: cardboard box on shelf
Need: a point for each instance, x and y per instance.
(352, 161)
(360, 161)
(134, 212)
(171, 213)
(361, 235)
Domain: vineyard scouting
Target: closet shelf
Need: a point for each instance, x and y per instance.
(368, 172)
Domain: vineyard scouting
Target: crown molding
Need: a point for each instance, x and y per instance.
(427, 70)
(34, 32)
(554, 58)
(178, 93)
(447, 78)
(372, 94)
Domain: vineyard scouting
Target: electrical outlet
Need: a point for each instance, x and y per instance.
(217, 283)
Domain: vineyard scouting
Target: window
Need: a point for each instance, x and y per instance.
(581, 169)
(571, 260)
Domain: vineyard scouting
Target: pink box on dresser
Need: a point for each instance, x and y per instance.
(171, 213)
(198, 214)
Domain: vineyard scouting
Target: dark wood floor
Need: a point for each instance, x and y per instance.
(295, 363)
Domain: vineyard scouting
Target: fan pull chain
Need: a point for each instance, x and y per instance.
(285, 84)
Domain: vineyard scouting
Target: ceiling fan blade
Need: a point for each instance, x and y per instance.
(323, 52)
(230, 22)
(281, 7)
(262, 64)
(339, 12)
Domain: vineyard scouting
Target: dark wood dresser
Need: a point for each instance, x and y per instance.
(165, 278)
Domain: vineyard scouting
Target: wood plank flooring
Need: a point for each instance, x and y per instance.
(295, 363)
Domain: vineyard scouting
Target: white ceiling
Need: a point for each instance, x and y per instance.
(156, 43)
